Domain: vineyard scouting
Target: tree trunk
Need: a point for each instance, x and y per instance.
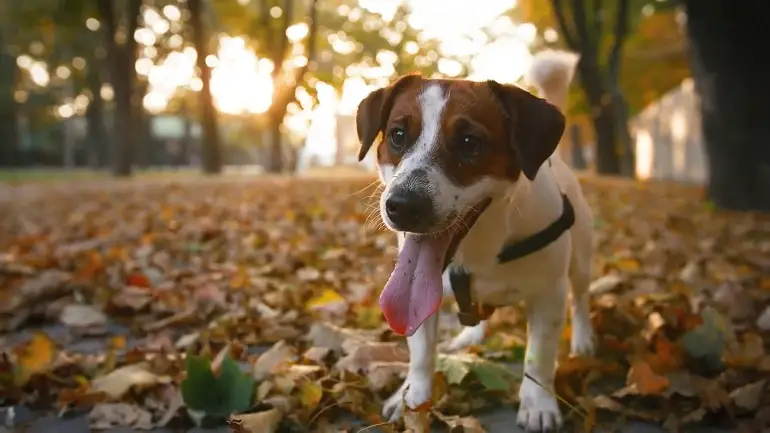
(607, 161)
(141, 121)
(122, 76)
(210, 147)
(275, 142)
(9, 127)
(96, 133)
(732, 85)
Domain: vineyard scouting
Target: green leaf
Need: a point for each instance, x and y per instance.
(216, 397)
(492, 376)
(454, 368)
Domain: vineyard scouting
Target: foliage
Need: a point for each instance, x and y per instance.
(655, 57)
(215, 397)
(280, 278)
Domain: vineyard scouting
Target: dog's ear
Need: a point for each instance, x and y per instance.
(374, 110)
(536, 126)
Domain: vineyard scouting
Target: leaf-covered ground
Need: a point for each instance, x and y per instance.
(175, 304)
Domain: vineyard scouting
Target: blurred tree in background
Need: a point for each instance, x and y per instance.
(731, 77)
(78, 58)
(632, 52)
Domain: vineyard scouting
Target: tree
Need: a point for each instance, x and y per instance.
(121, 55)
(9, 132)
(341, 36)
(731, 77)
(582, 27)
(212, 154)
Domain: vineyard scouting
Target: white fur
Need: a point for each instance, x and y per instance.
(541, 279)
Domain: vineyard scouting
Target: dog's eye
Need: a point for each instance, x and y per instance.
(470, 146)
(397, 139)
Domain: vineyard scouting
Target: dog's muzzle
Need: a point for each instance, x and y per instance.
(410, 211)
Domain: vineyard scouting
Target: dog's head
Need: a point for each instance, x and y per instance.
(449, 146)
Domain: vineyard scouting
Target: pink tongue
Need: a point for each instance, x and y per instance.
(414, 289)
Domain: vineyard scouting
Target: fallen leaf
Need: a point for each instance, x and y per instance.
(316, 354)
(82, 316)
(493, 376)
(605, 284)
(34, 357)
(106, 416)
(749, 396)
(213, 398)
(275, 359)
(461, 424)
(310, 394)
(763, 322)
(360, 355)
(383, 374)
(259, 422)
(117, 383)
(328, 301)
(644, 380)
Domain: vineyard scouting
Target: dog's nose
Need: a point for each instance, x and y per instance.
(409, 211)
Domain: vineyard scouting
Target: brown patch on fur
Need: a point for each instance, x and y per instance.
(472, 110)
(516, 131)
(406, 114)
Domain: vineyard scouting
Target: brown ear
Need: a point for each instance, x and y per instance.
(536, 126)
(374, 110)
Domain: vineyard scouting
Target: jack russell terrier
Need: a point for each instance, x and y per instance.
(473, 187)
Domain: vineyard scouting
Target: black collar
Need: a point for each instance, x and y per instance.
(541, 239)
(470, 313)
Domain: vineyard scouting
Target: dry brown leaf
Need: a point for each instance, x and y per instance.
(332, 337)
(382, 374)
(117, 383)
(132, 297)
(259, 422)
(605, 284)
(749, 396)
(644, 380)
(361, 355)
(461, 424)
(82, 316)
(105, 416)
(316, 354)
(275, 359)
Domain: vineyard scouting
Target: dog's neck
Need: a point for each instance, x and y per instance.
(519, 211)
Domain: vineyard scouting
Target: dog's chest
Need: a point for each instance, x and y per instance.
(498, 284)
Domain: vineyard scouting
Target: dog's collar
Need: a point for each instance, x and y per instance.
(471, 313)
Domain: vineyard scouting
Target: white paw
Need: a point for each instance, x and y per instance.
(582, 340)
(468, 337)
(539, 410)
(415, 392)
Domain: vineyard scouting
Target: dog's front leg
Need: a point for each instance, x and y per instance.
(539, 410)
(416, 389)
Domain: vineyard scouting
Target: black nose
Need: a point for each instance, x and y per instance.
(410, 211)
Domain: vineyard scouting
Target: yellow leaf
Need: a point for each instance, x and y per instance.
(628, 265)
(764, 283)
(35, 357)
(310, 394)
(328, 298)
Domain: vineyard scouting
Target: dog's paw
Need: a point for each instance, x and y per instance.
(539, 410)
(582, 340)
(415, 392)
(469, 336)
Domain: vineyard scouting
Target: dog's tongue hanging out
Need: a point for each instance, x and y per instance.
(414, 289)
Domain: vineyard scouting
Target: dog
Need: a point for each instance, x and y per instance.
(470, 176)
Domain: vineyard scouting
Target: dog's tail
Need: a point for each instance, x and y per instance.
(552, 71)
